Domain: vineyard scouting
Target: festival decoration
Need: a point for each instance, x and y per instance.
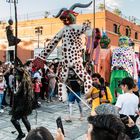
(123, 64)
(71, 48)
(105, 41)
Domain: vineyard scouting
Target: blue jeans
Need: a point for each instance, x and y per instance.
(1, 98)
(139, 83)
(72, 97)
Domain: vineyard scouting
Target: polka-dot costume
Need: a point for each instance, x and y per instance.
(123, 57)
(71, 52)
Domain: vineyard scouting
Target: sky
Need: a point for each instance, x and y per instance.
(27, 7)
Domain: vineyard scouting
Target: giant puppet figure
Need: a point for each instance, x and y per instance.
(123, 65)
(104, 66)
(71, 48)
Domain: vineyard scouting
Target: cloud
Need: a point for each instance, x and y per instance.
(111, 3)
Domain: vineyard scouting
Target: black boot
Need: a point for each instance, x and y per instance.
(18, 128)
(20, 136)
(26, 123)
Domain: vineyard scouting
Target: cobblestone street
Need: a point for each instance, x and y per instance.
(46, 116)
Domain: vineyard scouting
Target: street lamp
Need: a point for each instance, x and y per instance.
(38, 31)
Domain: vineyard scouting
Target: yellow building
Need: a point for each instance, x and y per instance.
(104, 20)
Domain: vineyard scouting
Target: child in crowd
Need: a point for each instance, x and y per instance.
(2, 88)
(37, 89)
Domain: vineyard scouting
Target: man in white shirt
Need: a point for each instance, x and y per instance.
(127, 105)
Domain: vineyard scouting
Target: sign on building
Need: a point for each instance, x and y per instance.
(56, 53)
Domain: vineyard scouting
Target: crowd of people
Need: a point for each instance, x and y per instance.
(106, 121)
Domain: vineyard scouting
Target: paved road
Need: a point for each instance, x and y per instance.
(46, 116)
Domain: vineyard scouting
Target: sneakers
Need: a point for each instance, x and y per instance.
(39, 103)
(20, 136)
(68, 121)
(1, 110)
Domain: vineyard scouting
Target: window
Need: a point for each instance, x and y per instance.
(126, 32)
(115, 28)
(136, 35)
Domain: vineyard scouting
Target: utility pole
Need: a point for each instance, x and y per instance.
(16, 24)
(104, 5)
(94, 8)
(16, 35)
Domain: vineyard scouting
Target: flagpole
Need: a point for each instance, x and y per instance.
(93, 34)
(93, 14)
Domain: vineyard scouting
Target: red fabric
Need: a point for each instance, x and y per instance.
(74, 13)
(38, 63)
(71, 12)
(37, 87)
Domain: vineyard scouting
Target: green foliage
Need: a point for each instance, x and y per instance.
(101, 6)
(117, 11)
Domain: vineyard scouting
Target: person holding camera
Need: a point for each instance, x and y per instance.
(99, 93)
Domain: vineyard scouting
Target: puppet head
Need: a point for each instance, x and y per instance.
(97, 37)
(105, 41)
(10, 21)
(123, 41)
(68, 16)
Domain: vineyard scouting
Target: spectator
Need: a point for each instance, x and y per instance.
(106, 127)
(112, 109)
(2, 88)
(11, 86)
(99, 93)
(40, 133)
(6, 73)
(28, 66)
(37, 89)
(52, 82)
(43, 81)
(46, 84)
(102, 127)
(127, 105)
(139, 80)
(38, 74)
(106, 109)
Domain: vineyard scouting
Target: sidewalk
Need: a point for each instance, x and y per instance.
(46, 116)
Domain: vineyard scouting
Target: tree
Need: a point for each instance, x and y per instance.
(101, 6)
(117, 11)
